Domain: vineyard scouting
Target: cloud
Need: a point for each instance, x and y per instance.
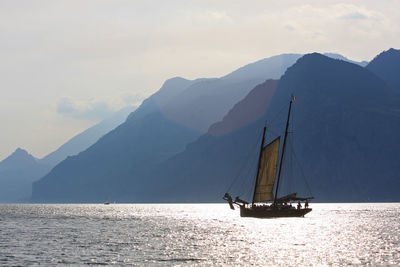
(92, 111)
(354, 15)
(354, 12)
(290, 27)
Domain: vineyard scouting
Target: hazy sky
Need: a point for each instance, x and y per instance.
(65, 65)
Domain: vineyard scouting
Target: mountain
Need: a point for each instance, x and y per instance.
(272, 68)
(17, 172)
(87, 138)
(204, 170)
(162, 126)
(19, 156)
(124, 164)
(346, 124)
(20, 169)
(276, 66)
(350, 119)
(107, 169)
(387, 65)
(207, 101)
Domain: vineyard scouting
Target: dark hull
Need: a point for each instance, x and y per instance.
(272, 212)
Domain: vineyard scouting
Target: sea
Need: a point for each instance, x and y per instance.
(335, 234)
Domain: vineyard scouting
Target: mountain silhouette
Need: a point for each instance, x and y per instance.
(207, 101)
(386, 65)
(17, 172)
(346, 121)
(161, 127)
(162, 154)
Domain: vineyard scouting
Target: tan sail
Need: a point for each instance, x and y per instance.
(267, 172)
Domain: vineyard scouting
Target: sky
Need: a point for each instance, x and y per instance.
(65, 65)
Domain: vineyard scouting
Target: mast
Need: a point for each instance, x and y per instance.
(283, 152)
(258, 165)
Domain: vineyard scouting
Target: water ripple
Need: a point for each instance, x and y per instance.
(197, 234)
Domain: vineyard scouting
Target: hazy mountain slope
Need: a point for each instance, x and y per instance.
(208, 100)
(87, 138)
(274, 66)
(17, 172)
(168, 91)
(251, 108)
(346, 122)
(387, 66)
(204, 170)
(110, 168)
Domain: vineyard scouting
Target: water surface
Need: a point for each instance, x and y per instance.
(197, 234)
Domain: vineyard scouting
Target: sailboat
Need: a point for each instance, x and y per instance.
(264, 203)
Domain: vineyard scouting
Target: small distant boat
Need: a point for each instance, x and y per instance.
(106, 202)
(264, 203)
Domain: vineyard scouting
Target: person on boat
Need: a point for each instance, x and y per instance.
(299, 205)
(227, 197)
(306, 204)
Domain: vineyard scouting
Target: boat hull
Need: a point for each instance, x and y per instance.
(272, 212)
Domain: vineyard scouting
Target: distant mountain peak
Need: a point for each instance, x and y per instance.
(18, 156)
(175, 80)
(313, 58)
(317, 58)
(17, 172)
(20, 152)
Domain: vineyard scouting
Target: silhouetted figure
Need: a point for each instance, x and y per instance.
(299, 205)
(228, 198)
(306, 205)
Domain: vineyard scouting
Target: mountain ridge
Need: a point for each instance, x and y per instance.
(386, 66)
(195, 121)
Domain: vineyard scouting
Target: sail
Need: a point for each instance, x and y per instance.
(267, 172)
